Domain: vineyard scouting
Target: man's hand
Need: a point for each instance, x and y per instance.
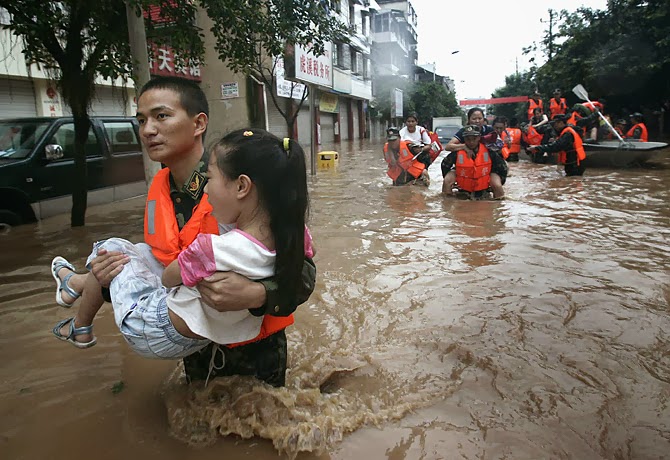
(230, 291)
(107, 265)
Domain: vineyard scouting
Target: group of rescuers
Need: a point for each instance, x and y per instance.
(478, 153)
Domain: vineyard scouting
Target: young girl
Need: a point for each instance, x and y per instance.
(257, 183)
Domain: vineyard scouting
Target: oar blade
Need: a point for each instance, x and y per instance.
(580, 92)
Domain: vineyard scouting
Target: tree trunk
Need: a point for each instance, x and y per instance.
(138, 49)
(82, 124)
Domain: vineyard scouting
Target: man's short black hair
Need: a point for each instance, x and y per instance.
(191, 96)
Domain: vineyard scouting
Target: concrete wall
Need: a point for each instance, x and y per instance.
(225, 115)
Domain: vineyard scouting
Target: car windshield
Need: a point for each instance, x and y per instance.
(446, 132)
(18, 138)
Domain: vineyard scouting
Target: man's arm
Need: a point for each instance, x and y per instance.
(454, 145)
(563, 143)
(229, 291)
(272, 305)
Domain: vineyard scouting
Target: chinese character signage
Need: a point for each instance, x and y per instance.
(310, 68)
(163, 61)
(284, 86)
(328, 103)
(230, 90)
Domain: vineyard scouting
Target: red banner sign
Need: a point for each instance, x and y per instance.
(162, 61)
(495, 100)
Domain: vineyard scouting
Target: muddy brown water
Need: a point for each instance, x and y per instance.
(535, 327)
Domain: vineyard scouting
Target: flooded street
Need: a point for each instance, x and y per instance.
(535, 327)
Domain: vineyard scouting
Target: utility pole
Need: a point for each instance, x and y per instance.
(137, 38)
(549, 36)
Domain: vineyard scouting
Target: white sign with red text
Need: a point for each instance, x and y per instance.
(314, 69)
(286, 88)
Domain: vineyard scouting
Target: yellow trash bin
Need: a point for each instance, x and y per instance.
(328, 160)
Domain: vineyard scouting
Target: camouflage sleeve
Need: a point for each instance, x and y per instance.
(272, 306)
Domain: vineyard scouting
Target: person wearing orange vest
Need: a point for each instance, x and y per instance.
(557, 104)
(473, 166)
(639, 129)
(175, 323)
(512, 136)
(534, 102)
(172, 113)
(569, 147)
(531, 136)
(404, 167)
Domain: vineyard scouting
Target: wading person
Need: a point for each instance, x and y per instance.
(412, 132)
(568, 146)
(404, 167)
(457, 143)
(473, 167)
(172, 114)
(257, 187)
(513, 136)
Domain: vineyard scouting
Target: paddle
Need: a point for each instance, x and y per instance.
(581, 93)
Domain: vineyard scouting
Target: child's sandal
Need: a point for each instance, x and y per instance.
(56, 265)
(74, 332)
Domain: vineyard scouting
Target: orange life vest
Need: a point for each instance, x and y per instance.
(473, 175)
(557, 108)
(405, 162)
(532, 105)
(162, 233)
(592, 106)
(435, 141)
(532, 137)
(515, 139)
(644, 135)
(573, 121)
(578, 147)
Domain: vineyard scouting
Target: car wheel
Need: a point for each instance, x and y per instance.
(8, 219)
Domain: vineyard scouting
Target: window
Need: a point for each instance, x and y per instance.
(18, 139)
(336, 5)
(65, 138)
(121, 136)
(354, 61)
(336, 55)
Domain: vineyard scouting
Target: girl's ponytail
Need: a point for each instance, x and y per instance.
(277, 168)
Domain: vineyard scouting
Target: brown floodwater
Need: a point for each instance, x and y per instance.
(535, 327)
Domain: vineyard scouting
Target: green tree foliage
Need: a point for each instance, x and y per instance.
(515, 85)
(428, 99)
(77, 41)
(382, 103)
(251, 34)
(431, 99)
(621, 54)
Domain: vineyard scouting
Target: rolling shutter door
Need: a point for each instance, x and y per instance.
(304, 127)
(109, 102)
(276, 122)
(17, 98)
(327, 130)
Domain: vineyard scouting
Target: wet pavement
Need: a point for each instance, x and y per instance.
(535, 327)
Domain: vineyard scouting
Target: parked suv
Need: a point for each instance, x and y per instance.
(37, 165)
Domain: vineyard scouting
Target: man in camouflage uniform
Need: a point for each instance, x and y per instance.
(170, 105)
